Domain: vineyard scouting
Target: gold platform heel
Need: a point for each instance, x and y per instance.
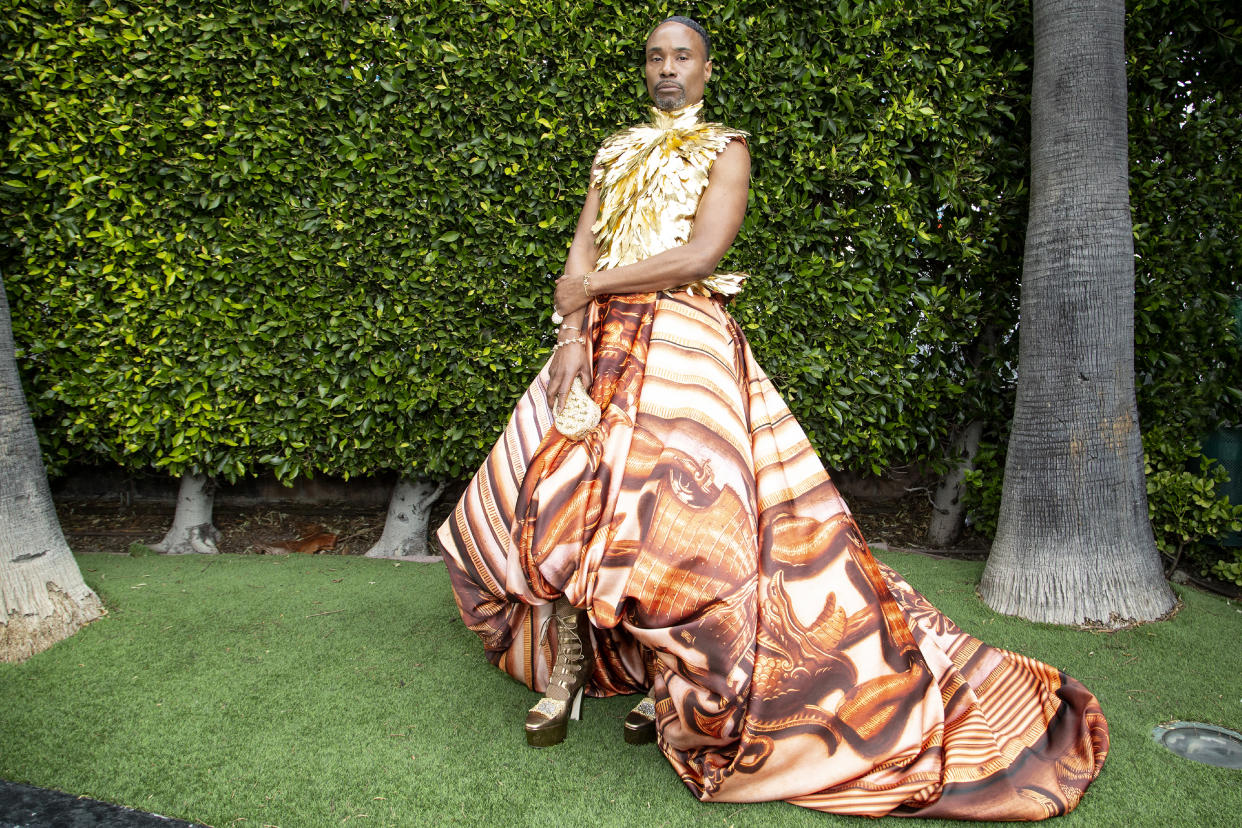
(640, 723)
(548, 720)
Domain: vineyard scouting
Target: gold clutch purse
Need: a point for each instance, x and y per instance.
(580, 413)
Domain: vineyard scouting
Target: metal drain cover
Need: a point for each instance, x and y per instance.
(1199, 742)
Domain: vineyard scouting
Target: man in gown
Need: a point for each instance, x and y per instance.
(718, 567)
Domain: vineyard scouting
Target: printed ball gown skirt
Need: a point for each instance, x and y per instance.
(723, 573)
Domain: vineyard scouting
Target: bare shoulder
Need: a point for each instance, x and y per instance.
(733, 162)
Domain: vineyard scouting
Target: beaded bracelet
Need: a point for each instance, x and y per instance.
(560, 345)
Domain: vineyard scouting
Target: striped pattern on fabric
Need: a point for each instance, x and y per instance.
(723, 573)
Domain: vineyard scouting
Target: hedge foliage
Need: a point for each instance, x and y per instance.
(247, 236)
(281, 235)
(1186, 168)
(1186, 162)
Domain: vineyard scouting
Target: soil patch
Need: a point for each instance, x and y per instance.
(101, 526)
(903, 524)
(95, 525)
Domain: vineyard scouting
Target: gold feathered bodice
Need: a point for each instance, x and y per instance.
(650, 179)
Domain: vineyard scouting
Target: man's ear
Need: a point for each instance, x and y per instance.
(707, 66)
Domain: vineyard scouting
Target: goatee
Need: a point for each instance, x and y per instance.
(668, 103)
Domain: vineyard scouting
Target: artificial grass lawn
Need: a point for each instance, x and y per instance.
(308, 691)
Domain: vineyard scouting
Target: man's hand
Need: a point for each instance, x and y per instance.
(570, 294)
(568, 362)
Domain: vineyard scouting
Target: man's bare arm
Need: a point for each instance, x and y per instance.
(571, 361)
(716, 223)
(582, 251)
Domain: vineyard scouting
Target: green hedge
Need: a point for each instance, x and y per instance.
(1186, 161)
(1186, 191)
(284, 236)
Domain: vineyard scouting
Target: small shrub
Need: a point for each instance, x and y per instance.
(1230, 571)
(983, 487)
(1187, 508)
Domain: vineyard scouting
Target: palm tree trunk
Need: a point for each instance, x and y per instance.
(1073, 542)
(43, 598)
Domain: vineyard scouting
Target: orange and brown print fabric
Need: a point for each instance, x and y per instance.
(723, 573)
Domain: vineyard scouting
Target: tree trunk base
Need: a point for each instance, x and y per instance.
(202, 539)
(405, 528)
(43, 598)
(1069, 593)
(192, 532)
(22, 636)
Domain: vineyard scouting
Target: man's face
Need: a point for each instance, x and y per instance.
(676, 69)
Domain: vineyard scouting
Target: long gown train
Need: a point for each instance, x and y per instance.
(723, 572)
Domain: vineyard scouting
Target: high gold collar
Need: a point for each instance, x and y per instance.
(685, 118)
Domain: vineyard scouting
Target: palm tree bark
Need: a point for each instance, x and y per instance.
(43, 598)
(1073, 542)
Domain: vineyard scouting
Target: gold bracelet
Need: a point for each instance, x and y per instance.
(586, 285)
